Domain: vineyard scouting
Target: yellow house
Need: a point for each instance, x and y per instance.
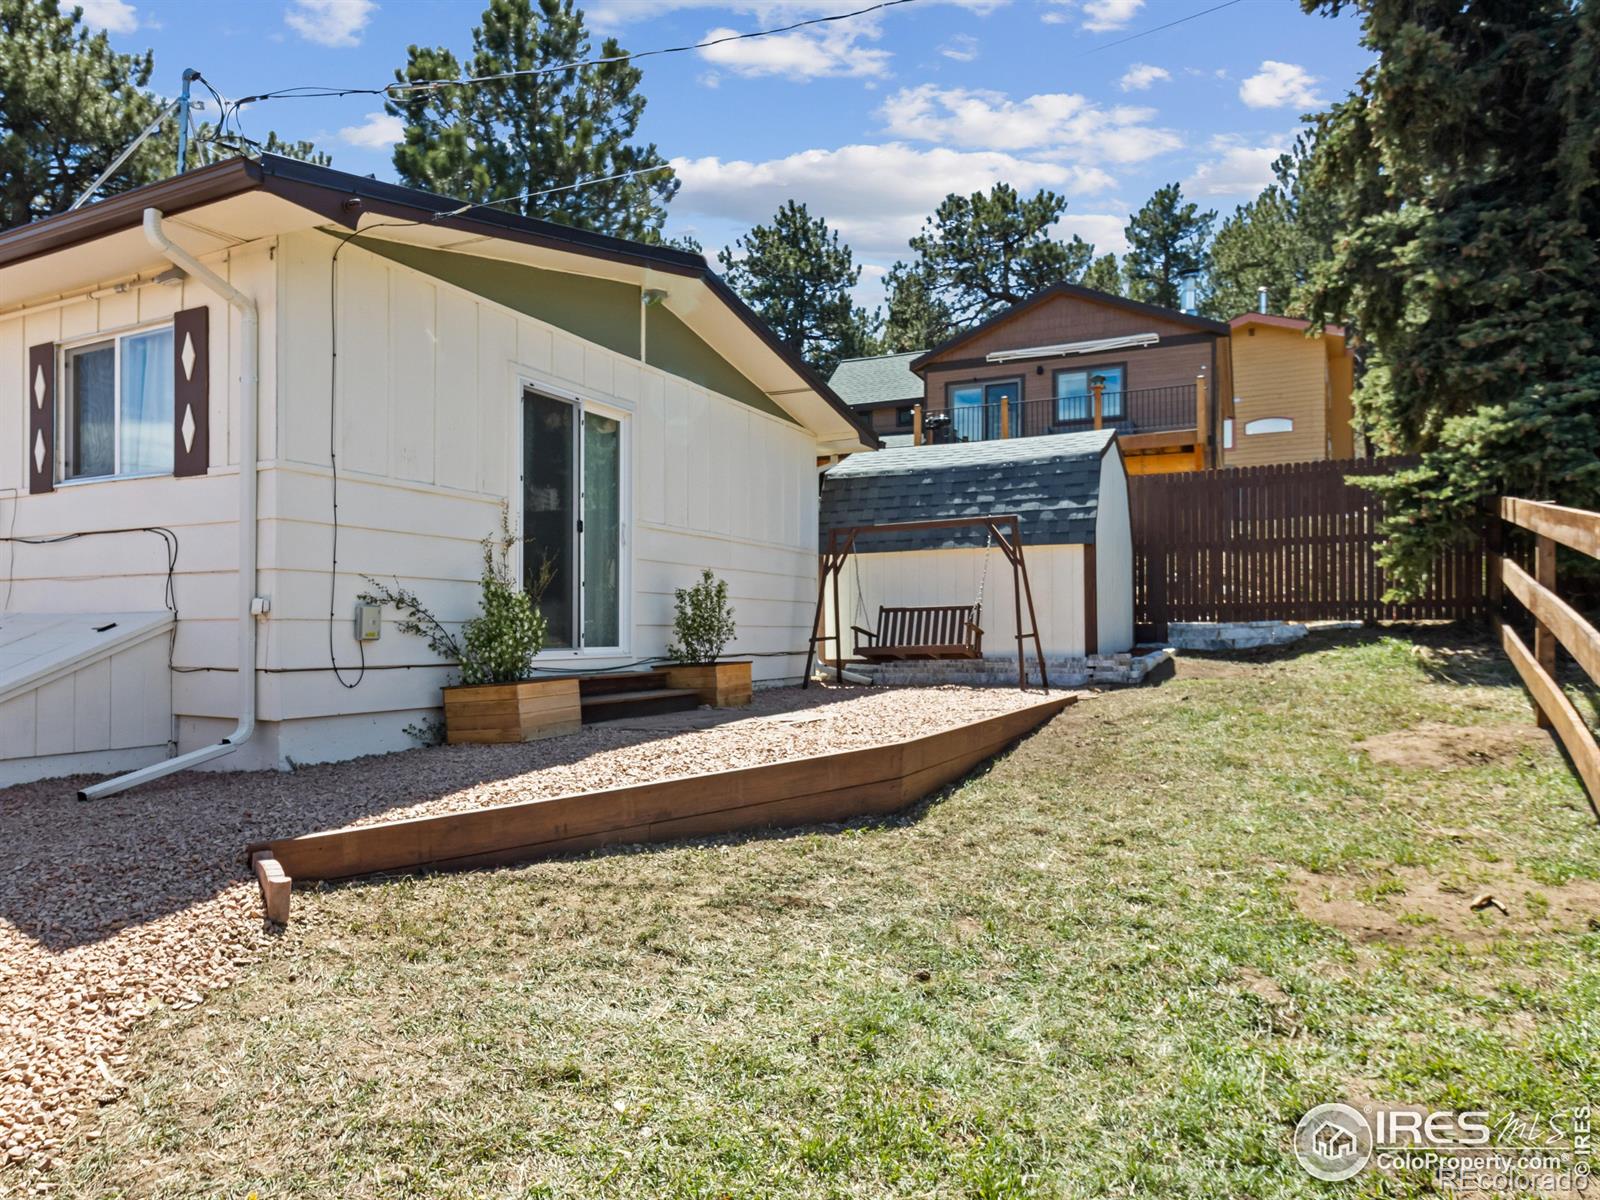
(1291, 393)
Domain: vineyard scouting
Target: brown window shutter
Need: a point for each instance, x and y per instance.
(42, 417)
(191, 406)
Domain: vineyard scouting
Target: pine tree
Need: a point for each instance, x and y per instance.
(797, 275)
(530, 133)
(69, 104)
(1276, 241)
(917, 319)
(1105, 275)
(1166, 240)
(1463, 173)
(984, 253)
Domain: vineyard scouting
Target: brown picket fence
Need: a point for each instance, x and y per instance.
(1289, 542)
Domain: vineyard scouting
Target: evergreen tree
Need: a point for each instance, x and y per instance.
(797, 275)
(1463, 173)
(917, 319)
(984, 253)
(1105, 275)
(1166, 241)
(69, 104)
(532, 132)
(1275, 241)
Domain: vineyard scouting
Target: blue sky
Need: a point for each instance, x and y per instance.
(869, 121)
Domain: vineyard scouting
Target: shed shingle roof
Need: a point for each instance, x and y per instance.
(886, 379)
(1052, 483)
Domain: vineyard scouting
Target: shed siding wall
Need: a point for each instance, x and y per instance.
(1113, 559)
(923, 577)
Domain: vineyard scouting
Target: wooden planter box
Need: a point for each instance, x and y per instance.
(720, 684)
(511, 712)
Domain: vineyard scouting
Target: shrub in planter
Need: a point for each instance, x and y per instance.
(702, 627)
(495, 701)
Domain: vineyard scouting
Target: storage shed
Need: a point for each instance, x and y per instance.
(1071, 493)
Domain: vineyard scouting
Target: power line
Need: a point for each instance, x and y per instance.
(1133, 37)
(309, 92)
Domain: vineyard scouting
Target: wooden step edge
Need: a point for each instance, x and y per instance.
(633, 697)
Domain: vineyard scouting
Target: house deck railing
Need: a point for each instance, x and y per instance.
(1146, 410)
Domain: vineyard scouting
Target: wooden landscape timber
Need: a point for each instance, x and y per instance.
(830, 787)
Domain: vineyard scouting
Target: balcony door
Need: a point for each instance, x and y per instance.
(975, 410)
(574, 522)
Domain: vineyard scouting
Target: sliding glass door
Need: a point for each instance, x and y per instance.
(574, 520)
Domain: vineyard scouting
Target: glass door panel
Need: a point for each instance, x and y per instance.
(549, 522)
(602, 530)
(996, 395)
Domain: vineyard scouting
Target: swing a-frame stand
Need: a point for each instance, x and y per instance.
(1005, 530)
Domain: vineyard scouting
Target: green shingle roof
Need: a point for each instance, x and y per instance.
(886, 379)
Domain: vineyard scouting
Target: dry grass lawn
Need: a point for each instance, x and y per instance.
(1122, 962)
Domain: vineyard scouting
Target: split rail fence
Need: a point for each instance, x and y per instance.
(1554, 621)
(1291, 542)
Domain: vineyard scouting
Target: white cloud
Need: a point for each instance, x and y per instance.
(1278, 84)
(1102, 15)
(876, 196)
(962, 48)
(114, 16)
(1140, 76)
(1103, 231)
(1099, 16)
(329, 22)
(804, 54)
(1239, 169)
(1054, 123)
(614, 13)
(378, 132)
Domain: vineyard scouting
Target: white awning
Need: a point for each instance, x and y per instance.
(1089, 347)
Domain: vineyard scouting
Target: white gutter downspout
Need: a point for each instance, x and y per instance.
(249, 384)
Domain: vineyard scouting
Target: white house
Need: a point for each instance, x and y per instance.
(1070, 491)
(215, 370)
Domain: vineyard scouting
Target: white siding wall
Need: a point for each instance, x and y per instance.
(917, 577)
(429, 388)
(1113, 559)
(430, 380)
(127, 572)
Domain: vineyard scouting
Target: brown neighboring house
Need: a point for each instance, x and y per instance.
(1033, 369)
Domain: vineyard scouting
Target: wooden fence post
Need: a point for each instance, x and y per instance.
(1098, 388)
(1544, 641)
(1005, 420)
(1202, 423)
(916, 425)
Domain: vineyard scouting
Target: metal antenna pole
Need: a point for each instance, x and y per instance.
(189, 76)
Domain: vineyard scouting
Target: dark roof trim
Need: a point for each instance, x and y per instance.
(327, 192)
(122, 211)
(1078, 293)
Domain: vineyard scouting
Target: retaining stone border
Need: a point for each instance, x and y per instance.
(1066, 671)
(1233, 635)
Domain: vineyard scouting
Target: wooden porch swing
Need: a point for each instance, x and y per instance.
(940, 631)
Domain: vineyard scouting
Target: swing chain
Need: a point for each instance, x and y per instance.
(988, 543)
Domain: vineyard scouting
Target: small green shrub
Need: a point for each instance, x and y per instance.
(703, 623)
(497, 645)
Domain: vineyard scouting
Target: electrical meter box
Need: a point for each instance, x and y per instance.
(369, 622)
